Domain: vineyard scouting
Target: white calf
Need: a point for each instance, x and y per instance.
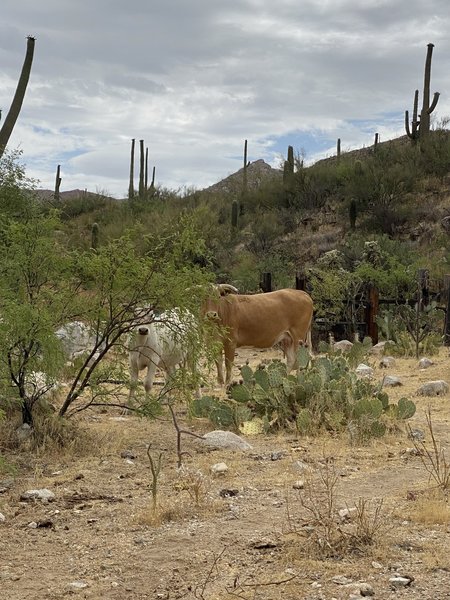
(160, 344)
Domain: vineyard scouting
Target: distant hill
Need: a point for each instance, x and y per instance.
(71, 194)
(258, 172)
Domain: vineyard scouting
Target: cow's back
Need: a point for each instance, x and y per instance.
(258, 320)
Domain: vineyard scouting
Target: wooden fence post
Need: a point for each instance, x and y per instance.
(300, 281)
(266, 282)
(447, 310)
(424, 292)
(371, 313)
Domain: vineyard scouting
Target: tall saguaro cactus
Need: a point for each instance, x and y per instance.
(131, 186)
(420, 126)
(16, 105)
(141, 170)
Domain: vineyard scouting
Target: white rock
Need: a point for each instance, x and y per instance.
(40, 494)
(343, 346)
(299, 484)
(386, 362)
(341, 580)
(225, 439)
(219, 468)
(433, 388)
(364, 370)
(425, 363)
(78, 585)
(391, 381)
(378, 349)
(2, 518)
(347, 514)
(399, 582)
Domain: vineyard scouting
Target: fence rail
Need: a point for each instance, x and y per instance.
(371, 302)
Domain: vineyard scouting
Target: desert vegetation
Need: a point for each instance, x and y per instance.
(370, 218)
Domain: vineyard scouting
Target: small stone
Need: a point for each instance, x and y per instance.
(400, 582)
(277, 455)
(417, 434)
(347, 514)
(78, 585)
(391, 381)
(42, 494)
(378, 349)
(433, 388)
(364, 370)
(2, 518)
(376, 565)
(386, 362)
(365, 589)
(425, 363)
(219, 468)
(32, 525)
(299, 484)
(127, 454)
(343, 345)
(341, 580)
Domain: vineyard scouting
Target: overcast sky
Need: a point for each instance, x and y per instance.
(195, 78)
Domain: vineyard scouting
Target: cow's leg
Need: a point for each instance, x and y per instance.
(219, 365)
(150, 376)
(290, 349)
(134, 377)
(229, 360)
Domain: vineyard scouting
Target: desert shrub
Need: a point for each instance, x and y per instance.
(326, 394)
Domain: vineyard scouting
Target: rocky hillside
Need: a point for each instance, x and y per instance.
(257, 172)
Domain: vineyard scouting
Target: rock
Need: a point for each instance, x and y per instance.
(76, 339)
(78, 585)
(341, 580)
(365, 589)
(433, 388)
(425, 363)
(378, 349)
(343, 346)
(398, 582)
(376, 565)
(219, 468)
(24, 432)
(386, 362)
(127, 454)
(2, 518)
(278, 455)
(42, 494)
(347, 514)
(391, 381)
(5, 485)
(225, 439)
(299, 484)
(417, 434)
(364, 370)
(302, 466)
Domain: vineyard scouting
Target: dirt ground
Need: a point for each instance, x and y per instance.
(99, 538)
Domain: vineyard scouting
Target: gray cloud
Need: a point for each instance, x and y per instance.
(194, 79)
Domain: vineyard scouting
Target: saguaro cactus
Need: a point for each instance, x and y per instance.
(420, 127)
(141, 170)
(94, 236)
(16, 105)
(57, 182)
(131, 186)
(288, 170)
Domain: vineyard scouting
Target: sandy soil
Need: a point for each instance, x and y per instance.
(100, 539)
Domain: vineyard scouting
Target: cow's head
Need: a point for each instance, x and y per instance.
(212, 302)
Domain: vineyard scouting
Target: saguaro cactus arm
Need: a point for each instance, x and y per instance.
(16, 105)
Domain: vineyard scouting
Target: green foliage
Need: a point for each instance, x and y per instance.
(326, 394)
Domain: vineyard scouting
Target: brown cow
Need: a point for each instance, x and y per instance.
(282, 317)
